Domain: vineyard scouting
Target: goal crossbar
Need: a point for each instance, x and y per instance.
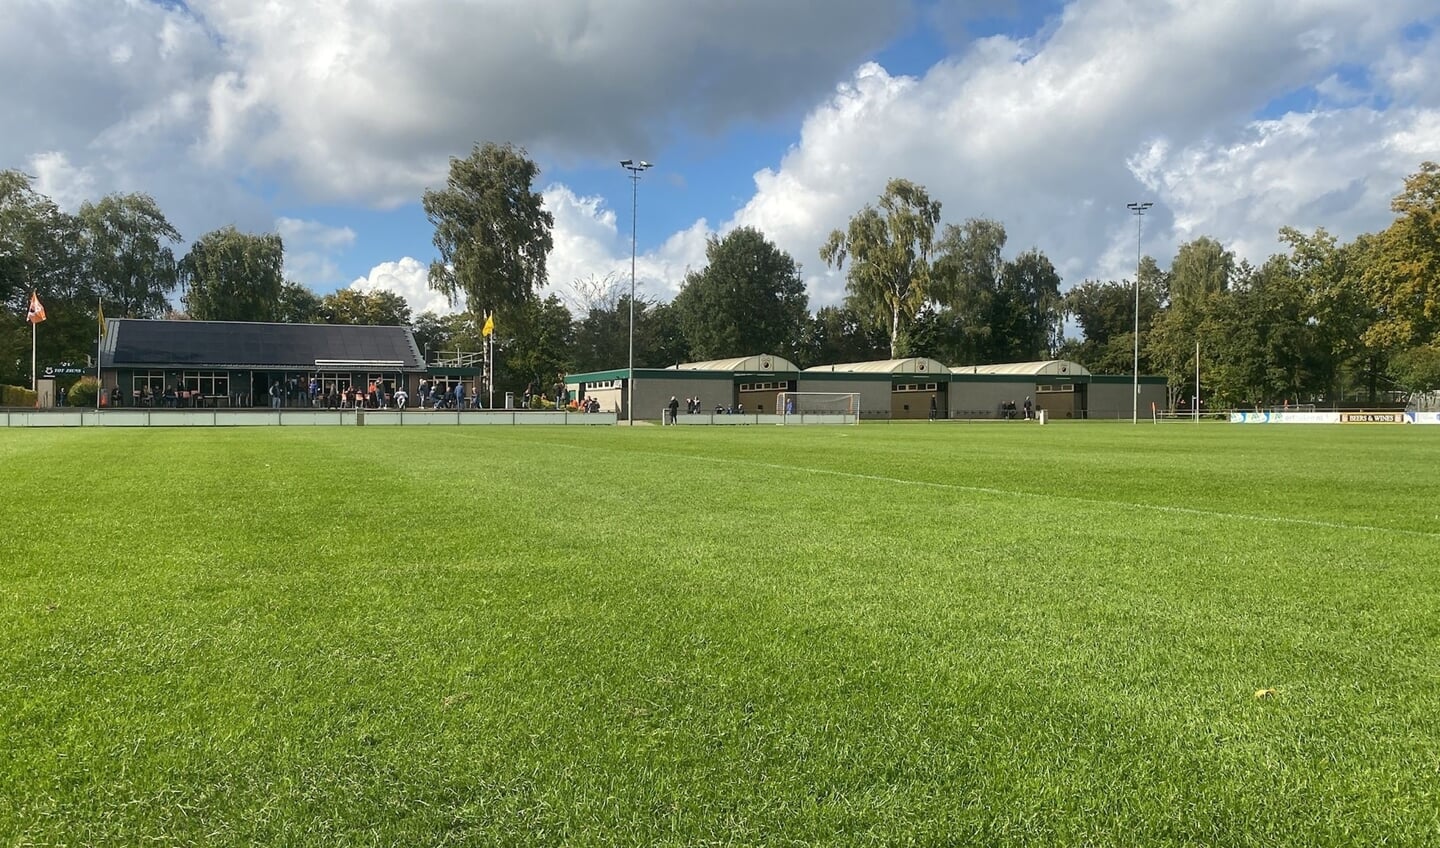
(818, 407)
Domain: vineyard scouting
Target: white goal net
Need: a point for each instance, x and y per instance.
(818, 407)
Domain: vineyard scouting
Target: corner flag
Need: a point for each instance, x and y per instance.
(486, 331)
(100, 310)
(37, 311)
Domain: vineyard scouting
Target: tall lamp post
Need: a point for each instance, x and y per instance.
(1139, 211)
(635, 169)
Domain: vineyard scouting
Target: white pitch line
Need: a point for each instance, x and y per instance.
(987, 490)
(1018, 493)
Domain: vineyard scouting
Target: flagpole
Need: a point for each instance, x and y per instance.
(34, 325)
(99, 337)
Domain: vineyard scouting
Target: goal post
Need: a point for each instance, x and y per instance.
(818, 407)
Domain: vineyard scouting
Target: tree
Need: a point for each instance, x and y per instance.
(40, 251)
(966, 277)
(889, 249)
(432, 332)
(1025, 315)
(1402, 277)
(602, 336)
(1256, 341)
(749, 299)
(659, 339)
(836, 334)
(534, 345)
(1337, 310)
(1417, 370)
(1199, 275)
(491, 228)
(128, 256)
(298, 305)
(234, 276)
(375, 308)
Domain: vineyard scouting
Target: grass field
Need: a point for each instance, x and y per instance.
(877, 635)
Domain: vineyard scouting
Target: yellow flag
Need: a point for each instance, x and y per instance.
(101, 310)
(489, 328)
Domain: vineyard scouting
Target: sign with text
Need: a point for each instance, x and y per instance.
(1372, 418)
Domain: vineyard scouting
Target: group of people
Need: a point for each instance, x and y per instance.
(374, 395)
(1009, 413)
(693, 407)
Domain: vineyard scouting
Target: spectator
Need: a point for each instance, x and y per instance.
(1029, 407)
(401, 397)
(674, 408)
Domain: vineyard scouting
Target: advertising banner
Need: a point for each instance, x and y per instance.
(1372, 418)
(1284, 418)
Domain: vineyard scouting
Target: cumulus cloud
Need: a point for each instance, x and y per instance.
(224, 108)
(312, 250)
(61, 181)
(366, 99)
(1110, 103)
(409, 278)
(589, 246)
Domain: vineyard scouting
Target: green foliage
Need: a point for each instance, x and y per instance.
(491, 228)
(234, 276)
(836, 334)
(1402, 267)
(618, 653)
(298, 305)
(17, 397)
(375, 308)
(82, 393)
(128, 256)
(749, 299)
(889, 253)
(602, 328)
(1417, 370)
(534, 343)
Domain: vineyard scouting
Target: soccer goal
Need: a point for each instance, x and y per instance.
(818, 407)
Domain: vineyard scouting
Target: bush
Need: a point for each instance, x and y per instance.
(83, 392)
(541, 402)
(17, 396)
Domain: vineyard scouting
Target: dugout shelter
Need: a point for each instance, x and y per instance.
(1064, 389)
(753, 381)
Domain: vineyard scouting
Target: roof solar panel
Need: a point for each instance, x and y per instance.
(144, 343)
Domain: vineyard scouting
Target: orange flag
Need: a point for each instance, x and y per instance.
(37, 312)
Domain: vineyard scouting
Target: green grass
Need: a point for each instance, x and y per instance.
(883, 635)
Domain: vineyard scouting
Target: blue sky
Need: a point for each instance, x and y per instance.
(326, 120)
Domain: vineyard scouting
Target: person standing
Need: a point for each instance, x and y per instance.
(934, 408)
(1029, 408)
(674, 409)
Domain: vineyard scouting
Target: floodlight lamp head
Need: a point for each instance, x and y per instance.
(625, 163)
(644, 164)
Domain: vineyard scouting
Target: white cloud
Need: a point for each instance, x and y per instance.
(312, 250)
(589, 245)
(409, 278)
(61, 181)
(366, 99)
(1112, 102)
(218, 110)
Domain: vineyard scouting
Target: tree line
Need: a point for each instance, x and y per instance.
(1320, 321)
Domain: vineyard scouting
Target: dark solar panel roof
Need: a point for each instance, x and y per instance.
(236, 344)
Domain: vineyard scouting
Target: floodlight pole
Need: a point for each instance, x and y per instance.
(1139, 211)
(635, 169)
